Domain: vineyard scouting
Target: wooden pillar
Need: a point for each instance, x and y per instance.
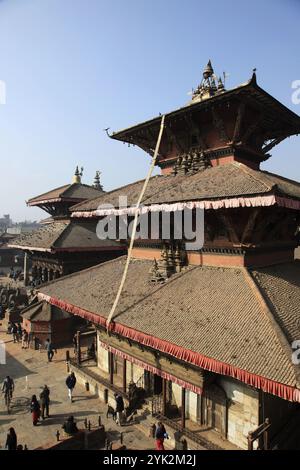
(266, 435)
(183, 408)
(111, 367)
(164, 397)
(124, 375)
(78, 348)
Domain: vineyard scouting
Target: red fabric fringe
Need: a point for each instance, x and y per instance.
(269, 386)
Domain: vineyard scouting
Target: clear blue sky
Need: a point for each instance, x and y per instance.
(74, 67)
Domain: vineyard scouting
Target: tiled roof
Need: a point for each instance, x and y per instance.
(43, 238)
(64, 235)
(213, 311)
(280, 285)
(41, 311)
(225, 181)
(70, 191)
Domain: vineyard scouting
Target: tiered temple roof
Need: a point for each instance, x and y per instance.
(64, 236)
(58, 233)
(234, 321)
(73, 193)
(198, 310)
(222, 182)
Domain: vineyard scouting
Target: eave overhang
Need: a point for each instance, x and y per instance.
(278, 121)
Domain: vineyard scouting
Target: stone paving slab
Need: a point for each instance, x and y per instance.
(30, 371)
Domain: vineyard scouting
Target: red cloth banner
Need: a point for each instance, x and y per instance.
(286, 392)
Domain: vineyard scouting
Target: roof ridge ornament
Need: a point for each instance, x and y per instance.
(97, 184)
(210, 84)
(77, 175)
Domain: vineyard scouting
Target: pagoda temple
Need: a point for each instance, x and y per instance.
(62, 245)
(205, 332)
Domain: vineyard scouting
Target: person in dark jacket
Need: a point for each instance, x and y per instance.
(71, 382)
(160, 435)
(35, 410)
(50, 350)
(19, 331)
(70, 426)
(14, 331)
(45, 401)
(11, 440)
(119, 408)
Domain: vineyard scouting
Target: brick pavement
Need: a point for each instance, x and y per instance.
(31, 371)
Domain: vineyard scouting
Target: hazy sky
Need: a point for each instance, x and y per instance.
(75, 67)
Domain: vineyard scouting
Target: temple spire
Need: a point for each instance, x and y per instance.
(97, 184)
(210, 85)
(77, 175)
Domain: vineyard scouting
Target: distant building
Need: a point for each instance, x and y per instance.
(5, 222)
(9, 257)
(62, 245)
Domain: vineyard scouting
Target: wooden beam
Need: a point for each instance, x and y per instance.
(111, 367)
(173, 138)
(250, 224)
(229, 226)
(195, 129)
(183, 408)
(78, 348)
(124, 375)
(272, 144)
(238, 123)
(219, 124)
(164, 397)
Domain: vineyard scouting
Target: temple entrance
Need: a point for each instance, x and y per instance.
(157, 384)
(214, 409)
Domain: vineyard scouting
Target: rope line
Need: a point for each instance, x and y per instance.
(135, 222)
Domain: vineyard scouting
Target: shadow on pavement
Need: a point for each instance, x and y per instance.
(14, 368)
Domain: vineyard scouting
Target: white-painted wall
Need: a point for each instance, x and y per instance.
(242, 411)
(191, 399)
(103, 362)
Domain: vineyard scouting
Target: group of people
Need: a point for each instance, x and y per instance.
(15, 275)
(40, 408)
(19, 334)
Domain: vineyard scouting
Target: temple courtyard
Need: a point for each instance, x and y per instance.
(31, 371)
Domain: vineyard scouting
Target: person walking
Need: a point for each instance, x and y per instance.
(19, 331)
(11, 440)
(119, 408)
(25, 337)
(45, 401)
(35, 410)
(160, 435)
(71, 382)
(8, 388)
(50, 350)
(14, 331)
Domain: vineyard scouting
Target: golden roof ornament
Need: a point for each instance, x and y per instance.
(208, 71)
(210, 85)
(77, 175)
